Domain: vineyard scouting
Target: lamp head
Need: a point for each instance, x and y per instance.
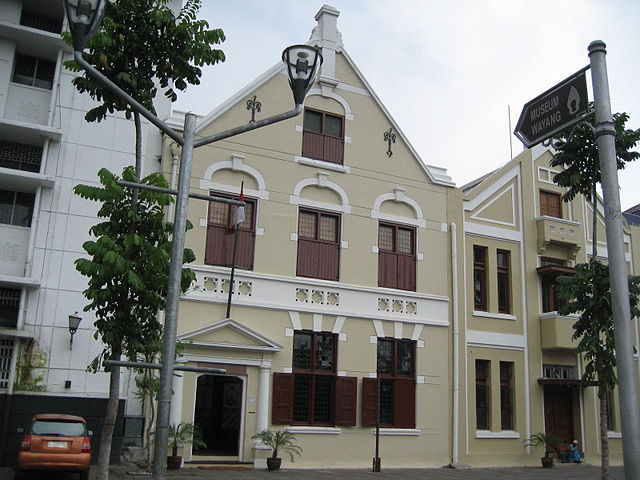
(303, 63)
(84, 19)
(74, 321)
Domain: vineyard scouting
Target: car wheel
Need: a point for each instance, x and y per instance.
(84, 475)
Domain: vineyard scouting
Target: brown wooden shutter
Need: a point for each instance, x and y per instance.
(387, 270)
(407, 272)
(369, 402)
(282, 406)
(346, 401)
(219, 245)
(244, 254)
(328, 261)
(404, 396)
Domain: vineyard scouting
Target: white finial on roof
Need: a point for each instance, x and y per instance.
(327, 36)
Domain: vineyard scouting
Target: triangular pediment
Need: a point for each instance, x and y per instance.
(229, 334)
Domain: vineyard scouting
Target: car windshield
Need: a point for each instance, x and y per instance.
(60, 428)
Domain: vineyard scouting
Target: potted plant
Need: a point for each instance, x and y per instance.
(279, 441)
(179, 435)
(548, 442)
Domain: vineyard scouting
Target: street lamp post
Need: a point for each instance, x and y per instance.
(302, 62)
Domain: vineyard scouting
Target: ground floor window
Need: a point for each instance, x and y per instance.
(6, 352)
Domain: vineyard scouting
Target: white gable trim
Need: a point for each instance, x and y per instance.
(512, 223)
(492, 189)
(398, 195)
(348, 113)
(321, 181)
(236, 164)
(267, 345)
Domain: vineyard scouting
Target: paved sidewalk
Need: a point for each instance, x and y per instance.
(558, 472)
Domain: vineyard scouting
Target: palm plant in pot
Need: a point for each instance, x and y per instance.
(179, 435)
(280, 441)
(548, 442)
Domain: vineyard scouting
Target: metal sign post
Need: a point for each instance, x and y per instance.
(627, 375)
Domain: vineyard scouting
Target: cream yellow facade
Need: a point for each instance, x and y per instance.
(463, 373)
(273, 305)
(509, 210)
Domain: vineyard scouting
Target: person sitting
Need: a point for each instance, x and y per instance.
(563, 452)
(574, 452)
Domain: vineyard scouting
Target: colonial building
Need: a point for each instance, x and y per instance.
(46, 148)
(520, 373)
(342, 289)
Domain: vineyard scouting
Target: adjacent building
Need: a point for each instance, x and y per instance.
(46, 148)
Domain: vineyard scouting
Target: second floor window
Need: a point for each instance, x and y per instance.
(33, 71)
(396, 257)
(221, 234)
(550, 204)
(16, 208)
(504, 281)
(318, 244)
(323, 136)
(550, 269)
(479, 278)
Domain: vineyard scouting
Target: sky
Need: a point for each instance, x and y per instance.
(448, 71)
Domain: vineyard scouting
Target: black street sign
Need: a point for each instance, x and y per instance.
(554, 110)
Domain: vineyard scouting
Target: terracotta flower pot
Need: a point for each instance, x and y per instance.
(273, 463)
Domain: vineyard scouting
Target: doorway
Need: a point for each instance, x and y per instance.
(558, 412)
(218, 413)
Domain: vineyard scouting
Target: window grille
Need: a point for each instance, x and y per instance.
(20, 156)
(561, 372)
(9, 306)
(41, 22)
(6, 351)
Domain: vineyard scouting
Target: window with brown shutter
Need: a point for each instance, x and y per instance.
(396, 256)
(221, 234)
(550, 269)
(550, 204)
(313, 394)
(392, 395)
(323, 136)
(318, 244)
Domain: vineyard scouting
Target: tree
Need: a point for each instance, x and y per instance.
(128, 268)
(577, 155)
(141, 46)
(589, 293)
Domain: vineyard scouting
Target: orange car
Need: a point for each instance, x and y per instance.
(55, 442)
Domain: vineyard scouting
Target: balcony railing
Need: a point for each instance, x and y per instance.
(559, 232)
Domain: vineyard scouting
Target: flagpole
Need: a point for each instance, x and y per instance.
(233, 256)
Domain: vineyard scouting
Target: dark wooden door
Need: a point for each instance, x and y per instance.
(558, 412)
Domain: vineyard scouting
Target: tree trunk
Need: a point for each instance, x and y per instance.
(109, 419)
(604, 438)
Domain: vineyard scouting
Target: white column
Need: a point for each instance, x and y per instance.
(262, 412)
(176, 400)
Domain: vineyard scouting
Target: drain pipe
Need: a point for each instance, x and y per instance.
(456, 347)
